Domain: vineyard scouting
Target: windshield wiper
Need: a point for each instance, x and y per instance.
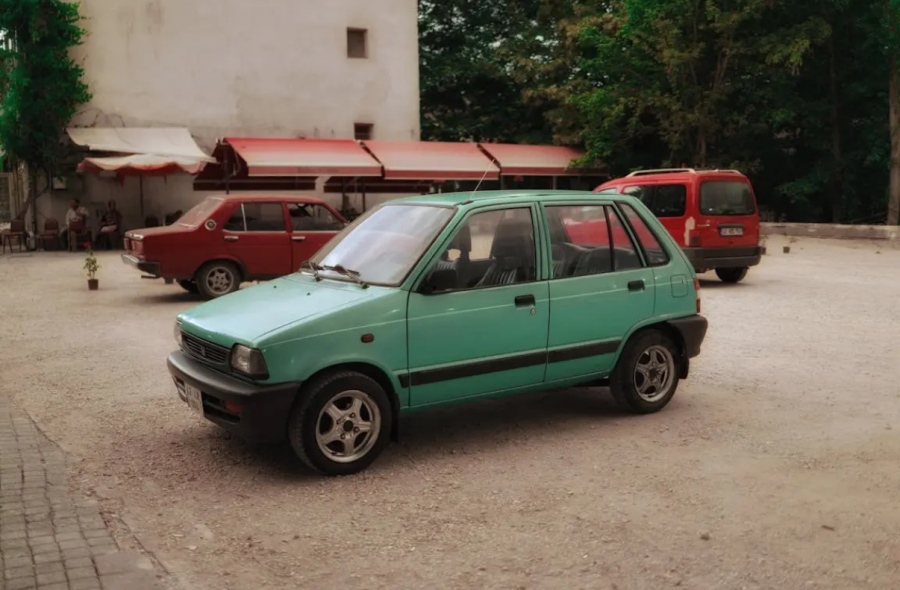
(338, 268)
(310, 265)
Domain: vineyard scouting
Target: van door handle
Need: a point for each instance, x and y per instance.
(525, 301)
(298, 238)
(231, 238)
(636, 285)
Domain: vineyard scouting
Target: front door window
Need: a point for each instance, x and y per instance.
(312, 217)
(492, 249)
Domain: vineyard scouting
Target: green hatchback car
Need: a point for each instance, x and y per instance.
(440, 299)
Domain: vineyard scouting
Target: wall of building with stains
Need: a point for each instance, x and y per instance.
(276, 68)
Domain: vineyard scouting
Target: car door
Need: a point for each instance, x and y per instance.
(256, 235)
(488, 332)
(312, 226)
(599, 289)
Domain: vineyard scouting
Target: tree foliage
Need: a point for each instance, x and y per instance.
(795, 94)
(40, 85)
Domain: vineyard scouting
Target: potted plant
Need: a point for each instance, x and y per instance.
(91, 266)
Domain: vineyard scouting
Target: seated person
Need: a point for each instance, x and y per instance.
(75, 213)
(110, 222)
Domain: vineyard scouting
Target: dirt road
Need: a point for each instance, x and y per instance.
(775, 466)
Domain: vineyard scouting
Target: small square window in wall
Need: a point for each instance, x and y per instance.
(357, 43)
(362, 131)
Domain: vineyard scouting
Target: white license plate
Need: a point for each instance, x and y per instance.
(731, 231)
(194, 398)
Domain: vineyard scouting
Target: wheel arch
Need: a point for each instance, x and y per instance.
(240, 265)
(673, 333)
(371, 371)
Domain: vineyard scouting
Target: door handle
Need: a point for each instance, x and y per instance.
(231, 238)
(636, 285)
(298, 238)
(524, 301)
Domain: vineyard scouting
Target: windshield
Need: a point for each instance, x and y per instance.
(384, 244)
(726, 197)
(199, 213)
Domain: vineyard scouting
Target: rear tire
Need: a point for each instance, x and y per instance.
(189, 286)
(218, 278)
(647, 373)
(732, 275)
(341, 423)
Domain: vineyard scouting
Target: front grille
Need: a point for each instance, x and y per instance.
(203, 349)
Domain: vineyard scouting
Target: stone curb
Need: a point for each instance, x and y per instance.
(832, 231)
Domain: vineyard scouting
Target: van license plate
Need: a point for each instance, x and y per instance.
(731, 231)
(194, 398)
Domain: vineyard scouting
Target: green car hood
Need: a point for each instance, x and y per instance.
(249, 314)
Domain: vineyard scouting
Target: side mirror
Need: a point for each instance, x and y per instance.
(443, 279)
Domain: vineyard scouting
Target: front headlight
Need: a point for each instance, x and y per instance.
(249, 361)
(178, 333)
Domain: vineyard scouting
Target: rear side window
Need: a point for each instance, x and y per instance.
(726, 197)
(665, 200)
(656, 254)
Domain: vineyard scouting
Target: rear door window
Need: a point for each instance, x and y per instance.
(726, 197)
(665, 200)
(653, 250)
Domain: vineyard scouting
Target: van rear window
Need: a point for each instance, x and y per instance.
(726, 197)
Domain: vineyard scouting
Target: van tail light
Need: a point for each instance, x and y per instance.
(697, 291)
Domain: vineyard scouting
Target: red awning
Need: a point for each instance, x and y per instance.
(304, 157)
(534, 160)
(141, 165)
(340, 185)
(432, 160)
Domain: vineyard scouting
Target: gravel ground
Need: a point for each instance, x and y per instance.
(775, 466)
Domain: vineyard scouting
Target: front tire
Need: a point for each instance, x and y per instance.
(218, 278)
(647, 373)
(731, 275)
(341, 423)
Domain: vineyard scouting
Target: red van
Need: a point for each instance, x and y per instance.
(712, 214)
(225, 240)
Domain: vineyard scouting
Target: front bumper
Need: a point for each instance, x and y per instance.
(692, 330)
(151, 268)
(263, 409)
(704, 259)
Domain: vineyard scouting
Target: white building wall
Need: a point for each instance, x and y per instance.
(276, 68)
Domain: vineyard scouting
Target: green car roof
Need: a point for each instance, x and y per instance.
(500, 196)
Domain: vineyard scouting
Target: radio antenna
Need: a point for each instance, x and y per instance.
(483, 176)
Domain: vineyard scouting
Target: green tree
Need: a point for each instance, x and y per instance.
(676, 71)
(40, 85)
(472, 83)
